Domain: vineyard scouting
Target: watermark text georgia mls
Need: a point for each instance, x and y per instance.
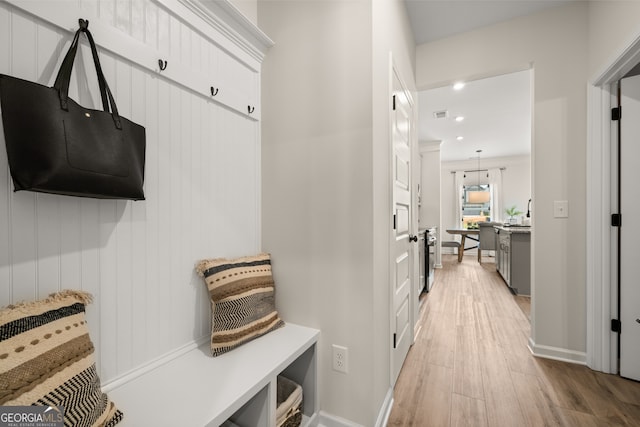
(31, 416)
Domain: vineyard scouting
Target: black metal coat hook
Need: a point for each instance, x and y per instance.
(84, 24)
(251, 109)
(214, 91)
(162, 64)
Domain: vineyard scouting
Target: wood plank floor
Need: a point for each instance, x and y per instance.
(470, 364)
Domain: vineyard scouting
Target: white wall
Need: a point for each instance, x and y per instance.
(316, 182)
(613, 26)
(554, 42)
(201, 185)
(326, 202)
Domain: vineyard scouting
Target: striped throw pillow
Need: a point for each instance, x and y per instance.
(242, 294)
(46, 358)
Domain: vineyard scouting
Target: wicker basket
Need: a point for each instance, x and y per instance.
(289, 403)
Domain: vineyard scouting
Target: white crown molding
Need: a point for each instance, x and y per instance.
(227, 20)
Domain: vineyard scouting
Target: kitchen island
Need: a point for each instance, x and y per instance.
(513, 257)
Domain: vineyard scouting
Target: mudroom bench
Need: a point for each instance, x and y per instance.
(194, 389)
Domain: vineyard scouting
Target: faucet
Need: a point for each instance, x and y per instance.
(529, 209)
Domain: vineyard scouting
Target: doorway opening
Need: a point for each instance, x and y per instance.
(492, 116)
(602, 254)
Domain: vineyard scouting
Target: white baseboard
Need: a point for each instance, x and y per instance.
(556, 353)
(325, 419)
(385, 410)
(312, 421)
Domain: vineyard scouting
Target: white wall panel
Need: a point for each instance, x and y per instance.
(163, 28)
(150, 36)
(202, 187)
(5, 40)
(137, 19)
(139, 235)
(123, 16)
(49, 232)
(5, 186)
(70, 255)
(90, 264)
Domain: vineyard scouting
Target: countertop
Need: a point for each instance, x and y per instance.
(514, 229)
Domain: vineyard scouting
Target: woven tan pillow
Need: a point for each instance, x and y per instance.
(242, 295)
(46, 358)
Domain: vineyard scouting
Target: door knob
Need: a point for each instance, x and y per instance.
(413, 238)
(638, 320)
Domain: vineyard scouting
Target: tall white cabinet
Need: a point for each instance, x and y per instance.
(430, 200)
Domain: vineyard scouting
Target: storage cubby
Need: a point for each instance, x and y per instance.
(303, 371)
(255, 412)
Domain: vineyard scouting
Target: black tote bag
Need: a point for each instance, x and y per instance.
(54, 145)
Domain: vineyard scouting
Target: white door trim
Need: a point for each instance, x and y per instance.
(599, 233)
(601, 293)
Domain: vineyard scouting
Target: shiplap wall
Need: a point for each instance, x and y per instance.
(202, 187)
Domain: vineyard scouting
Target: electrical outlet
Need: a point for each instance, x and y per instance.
(340, 358)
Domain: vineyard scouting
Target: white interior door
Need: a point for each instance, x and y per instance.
(403, 244)
(630, 232)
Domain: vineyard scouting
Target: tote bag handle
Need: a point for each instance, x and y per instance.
(64, 75)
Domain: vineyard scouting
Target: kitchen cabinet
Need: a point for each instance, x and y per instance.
(514, 258)
(503, 263)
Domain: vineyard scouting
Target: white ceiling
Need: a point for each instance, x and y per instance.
(497, 110)
(497, 117)
(435, 19)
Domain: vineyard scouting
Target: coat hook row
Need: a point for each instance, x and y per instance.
(251, 109)
(214, 91)
(162, 64)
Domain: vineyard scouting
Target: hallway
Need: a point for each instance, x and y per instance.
(470, 364)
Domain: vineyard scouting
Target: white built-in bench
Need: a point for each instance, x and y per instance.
(194, 389)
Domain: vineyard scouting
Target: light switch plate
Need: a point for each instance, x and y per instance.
(561, 209)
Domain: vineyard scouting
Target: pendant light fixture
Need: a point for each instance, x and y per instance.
(478, 197)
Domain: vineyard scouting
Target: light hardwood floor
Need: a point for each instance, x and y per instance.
(470, 364)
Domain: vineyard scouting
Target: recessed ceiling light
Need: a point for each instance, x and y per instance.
(458, 86)
(459, 118)
(460, 138)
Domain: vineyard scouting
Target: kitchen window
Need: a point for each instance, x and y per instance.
(476, 204)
